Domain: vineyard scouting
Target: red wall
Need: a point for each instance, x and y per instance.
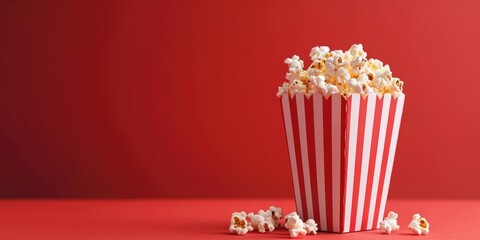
(177, 99)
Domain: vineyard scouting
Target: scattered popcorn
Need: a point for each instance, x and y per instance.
(239, 224)
(419, 225)
(268, 220)
(276, 214)
(389, 224)
(311, 226)
(259, 221)
(295, 225)
(340, 72)
(264, 226)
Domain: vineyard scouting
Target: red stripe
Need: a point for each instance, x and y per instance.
(371, 165)
(298, 156)
(327, 149)
(388, 138)
(312, 159)
(358, 161)
(343, 157)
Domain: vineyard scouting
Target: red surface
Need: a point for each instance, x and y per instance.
(204, 219)
(121, 98)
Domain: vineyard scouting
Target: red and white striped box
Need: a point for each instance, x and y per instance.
(341, 156)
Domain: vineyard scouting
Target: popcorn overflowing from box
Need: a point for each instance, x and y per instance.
(342, 117)
(340, 72)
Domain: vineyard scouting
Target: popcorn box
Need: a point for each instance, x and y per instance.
(341, 156)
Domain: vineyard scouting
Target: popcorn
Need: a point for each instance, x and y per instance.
(239, 224)
(283, 89)
(340, 72)
(331, 89)
(342, 75)
(292, 75)
(368, 90)
(363, 78)
(299, 86)
(380, 82)
(318, 84)
(266, 226)
(339, 58)
(276, 214)
(330, 69)
(389, 224)
(314, 71)
(355, 86)
(356, 50)
(295, 225)
(268, 220)
(258, 221)
(311, 226)
(319, 52)
(375, 64)
(294, 63)
(419, 225)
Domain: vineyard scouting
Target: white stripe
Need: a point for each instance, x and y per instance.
(367, 142)
(291, 150)
(320, 160)
(378, 160)
(352, 147)
(336, 158)
(304, 148)
(391, 154)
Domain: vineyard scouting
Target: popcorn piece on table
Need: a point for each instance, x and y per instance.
(275, 214)
(311, 226)
(389, 224)
(295, 225)
(259, 221)
(239, 224)
(419, 225)
(266, 226)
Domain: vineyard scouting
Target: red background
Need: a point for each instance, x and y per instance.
(177, 98)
